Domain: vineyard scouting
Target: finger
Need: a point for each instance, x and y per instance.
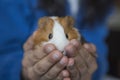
(46, 63)
(56, 69)
(41, 52)
(91, 48)
(29, 43)
(26, 62)
(70, 50)
(49, 48)
(65, 73)
(76, 43)
(33, 56)
(74, 73)
(87, 76)
(89, 60)
(81, 65)
(67, 78)
(59, 77)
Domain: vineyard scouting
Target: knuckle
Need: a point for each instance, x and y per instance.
(38, 54)
(59, 66)
(25, 62)
(47, 77)
(54, 72)
(83, 69)
(59, 77)
(75, 75)
(50, 75)
(38, 69)
(31, 75)
(93, 67)
(86, 77)
(73, 72)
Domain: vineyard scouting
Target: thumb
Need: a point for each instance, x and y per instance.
(28, 45)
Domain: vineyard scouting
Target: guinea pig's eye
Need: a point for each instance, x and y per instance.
(67, 36)
(50, 36)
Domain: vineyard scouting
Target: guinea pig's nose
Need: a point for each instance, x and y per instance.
(63, 52)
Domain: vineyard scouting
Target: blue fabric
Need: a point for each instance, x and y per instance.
(16, 24)
(97, 36)
(18, 19)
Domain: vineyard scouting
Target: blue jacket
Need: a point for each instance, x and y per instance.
(17, 22)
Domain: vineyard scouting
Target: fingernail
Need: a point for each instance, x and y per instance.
(65, 73)
(71, 63)
(86, 46)
(74, 42)
(70, 51)
(49, 49)
(63, 60)
(66, 79)
(56, 56)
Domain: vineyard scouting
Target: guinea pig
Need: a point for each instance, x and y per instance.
(56, 30)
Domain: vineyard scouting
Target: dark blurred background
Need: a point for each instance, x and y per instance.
(113, 41)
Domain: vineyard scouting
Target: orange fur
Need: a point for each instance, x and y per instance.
(46, 26)
(68, 25)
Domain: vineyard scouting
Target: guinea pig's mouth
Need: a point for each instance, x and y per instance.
(63, 52)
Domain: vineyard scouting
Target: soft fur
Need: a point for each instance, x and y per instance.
(59, 27)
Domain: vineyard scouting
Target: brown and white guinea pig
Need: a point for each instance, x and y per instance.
(56, 30)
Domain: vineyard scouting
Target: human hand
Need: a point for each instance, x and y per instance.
(43, 63)
(82, 60)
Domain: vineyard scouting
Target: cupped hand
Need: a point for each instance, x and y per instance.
(43, 63)
(82, 60)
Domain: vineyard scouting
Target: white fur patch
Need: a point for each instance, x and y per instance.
(59, 37)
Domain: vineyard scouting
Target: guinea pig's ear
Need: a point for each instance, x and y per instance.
(43, 21)
(69, 20)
